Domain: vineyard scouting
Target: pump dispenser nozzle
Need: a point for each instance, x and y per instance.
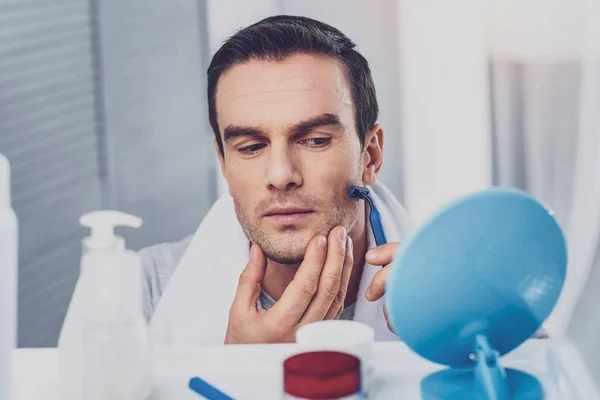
(4, 182)
(103, 223)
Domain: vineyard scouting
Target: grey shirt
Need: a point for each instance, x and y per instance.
(159, 263)
(267, 302)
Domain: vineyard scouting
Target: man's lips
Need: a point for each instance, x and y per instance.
(288, 214)
(286, 210)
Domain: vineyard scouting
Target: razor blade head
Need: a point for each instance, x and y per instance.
(358, 192)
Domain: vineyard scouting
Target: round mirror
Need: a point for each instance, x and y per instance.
(491, 263)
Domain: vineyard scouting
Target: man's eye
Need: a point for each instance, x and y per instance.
(317, 142)
(253, 148)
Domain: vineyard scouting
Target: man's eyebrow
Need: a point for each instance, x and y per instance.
(321, 120)
(232, 131)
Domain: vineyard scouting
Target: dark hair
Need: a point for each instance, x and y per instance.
(277, 37)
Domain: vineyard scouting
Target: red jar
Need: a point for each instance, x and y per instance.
(322, 375)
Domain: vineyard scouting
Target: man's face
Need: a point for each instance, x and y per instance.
(291, 151)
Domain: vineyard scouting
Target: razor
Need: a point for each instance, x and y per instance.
(358, 192)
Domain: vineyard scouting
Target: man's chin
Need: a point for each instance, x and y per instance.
(285, 254)
(285, 258)
(287, 247)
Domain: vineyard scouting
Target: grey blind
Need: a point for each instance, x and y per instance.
(161, 157)
(48, 132)
(101, 106)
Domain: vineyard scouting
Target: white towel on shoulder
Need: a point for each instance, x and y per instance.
(194, 308)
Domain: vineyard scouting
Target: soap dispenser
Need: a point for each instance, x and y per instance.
(103, 350)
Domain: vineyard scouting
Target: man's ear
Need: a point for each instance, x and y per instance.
(221, 159)
(372, 155)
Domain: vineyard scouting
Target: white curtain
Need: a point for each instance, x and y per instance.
(546, 104)
(535, 136)
(583, 225)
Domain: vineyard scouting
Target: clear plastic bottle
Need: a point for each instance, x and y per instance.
(8, 279)
(103, 348)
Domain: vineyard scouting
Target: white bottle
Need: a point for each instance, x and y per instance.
(8, 280)
(103, 347)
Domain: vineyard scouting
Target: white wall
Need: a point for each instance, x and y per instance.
(444, 98)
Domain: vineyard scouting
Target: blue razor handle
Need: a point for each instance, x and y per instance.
(377, 227)
(358, 192)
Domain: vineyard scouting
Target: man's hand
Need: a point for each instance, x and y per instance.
(316, 293)
(381, 255)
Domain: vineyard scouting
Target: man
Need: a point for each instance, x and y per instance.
(293, 108)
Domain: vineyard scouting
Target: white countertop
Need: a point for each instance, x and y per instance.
(255, 371)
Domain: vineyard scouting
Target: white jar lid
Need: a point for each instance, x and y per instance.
(336, 333)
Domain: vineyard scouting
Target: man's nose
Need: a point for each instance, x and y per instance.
(283, 172)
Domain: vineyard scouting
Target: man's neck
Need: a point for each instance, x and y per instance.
(278, 276)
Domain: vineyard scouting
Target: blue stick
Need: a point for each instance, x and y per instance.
(206, 390)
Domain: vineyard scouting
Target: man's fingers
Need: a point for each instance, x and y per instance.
(382, 255)
(377, 288)
(301, 290)
(330, 282)
(248, 290)
(338, 305)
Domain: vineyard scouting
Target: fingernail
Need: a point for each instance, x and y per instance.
(371, 255)
(368, 293)
(322, 243)
(350, 244)
(342, 236)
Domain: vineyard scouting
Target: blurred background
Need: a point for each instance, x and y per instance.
(103, 105)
